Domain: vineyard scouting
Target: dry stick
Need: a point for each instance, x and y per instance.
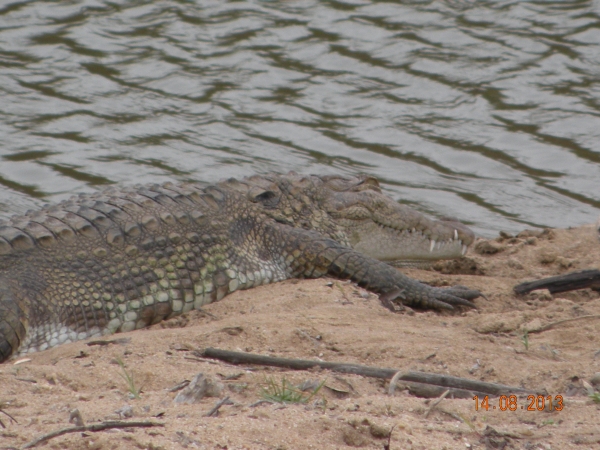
(430, 390)
(367, 371)
(562, 283)
(560, 322)
(9, 416)
(215, 408)
(92, 428)
(437, 402)
(394, 382)
(387, 447)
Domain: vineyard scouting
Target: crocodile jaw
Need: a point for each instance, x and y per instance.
(383, 229)
(389, 244)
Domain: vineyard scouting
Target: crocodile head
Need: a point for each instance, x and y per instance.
(382, 228)
(354, 211)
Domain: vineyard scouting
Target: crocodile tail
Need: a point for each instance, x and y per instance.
(12, 329)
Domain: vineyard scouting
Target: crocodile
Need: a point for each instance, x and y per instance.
(121, 259)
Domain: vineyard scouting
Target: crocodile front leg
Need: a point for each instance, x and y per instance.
(311, 255)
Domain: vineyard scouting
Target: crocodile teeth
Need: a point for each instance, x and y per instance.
(464, 249)
(432, 245)
(455, 234)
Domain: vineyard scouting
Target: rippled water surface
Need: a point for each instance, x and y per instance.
(485, 110)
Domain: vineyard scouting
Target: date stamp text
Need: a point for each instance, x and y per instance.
(511, 403)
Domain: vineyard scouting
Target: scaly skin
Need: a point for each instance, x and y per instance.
(123, 259)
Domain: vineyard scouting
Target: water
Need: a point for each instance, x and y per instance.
(488, 111)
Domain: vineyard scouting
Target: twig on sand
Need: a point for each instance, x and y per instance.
(437, 402)
(389, 442)
(560, 322)
(91, 428)
(562, 283)
(394, 382)
(8, 415)
(215, 409)
(367, 371)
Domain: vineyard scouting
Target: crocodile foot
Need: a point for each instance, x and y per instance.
(432, 298)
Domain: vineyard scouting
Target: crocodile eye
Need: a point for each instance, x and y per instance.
(371, 181)
(267, 198)
(369, 184)
(267, 195)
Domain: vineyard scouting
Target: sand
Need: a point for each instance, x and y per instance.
(335, 320)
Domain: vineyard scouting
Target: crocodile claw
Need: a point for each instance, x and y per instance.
(432, 298)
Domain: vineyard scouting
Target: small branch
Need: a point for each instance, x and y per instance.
(103, 342)
(437, 402)
(562, 283)
(367, 371)
(560, 322)
(394, 382)
(9, 416)
(91, 428)
(389, 442)
(215, 409)
(424, 390)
